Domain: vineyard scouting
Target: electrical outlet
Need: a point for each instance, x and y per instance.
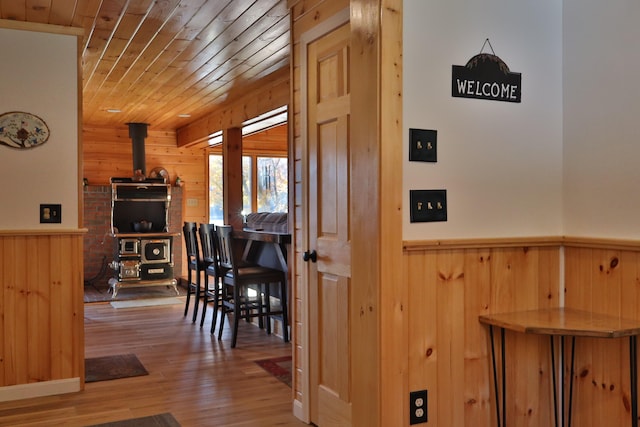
(428, 205)
(50, 214)
(418, 407)
(423, 144)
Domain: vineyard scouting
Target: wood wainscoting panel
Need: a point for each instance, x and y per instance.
(449, 350)
(604, 280)
(41, 275)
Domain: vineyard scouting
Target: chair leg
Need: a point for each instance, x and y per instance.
(260, 306)
(205, 299)
(267, 304)
(186, 305)
(223, 313)
(224, 309)
(236, 322)
(285, 311)
(216, 304)
(197, 298)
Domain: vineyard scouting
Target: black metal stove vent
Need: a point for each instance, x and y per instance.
(137, 133)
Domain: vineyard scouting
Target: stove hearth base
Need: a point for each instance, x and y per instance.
(115, 285)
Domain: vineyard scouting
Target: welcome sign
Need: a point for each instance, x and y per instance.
(486, 76)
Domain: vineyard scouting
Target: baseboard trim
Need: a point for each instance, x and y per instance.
(39, 389)
(298, 411)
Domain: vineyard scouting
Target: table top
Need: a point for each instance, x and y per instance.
(564, 321)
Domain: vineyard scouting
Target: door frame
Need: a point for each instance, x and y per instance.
(380, 296)
(302, 409)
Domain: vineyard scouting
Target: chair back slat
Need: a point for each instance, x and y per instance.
(206, 241)
(191, 243)
(225, 242)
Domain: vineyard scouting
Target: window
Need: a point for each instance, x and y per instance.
(271, 184)
(246, 184)
(216, 190)
(264, 172)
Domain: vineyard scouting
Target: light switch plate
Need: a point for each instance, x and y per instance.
(428, 205)
(50, 214)
(423, 145)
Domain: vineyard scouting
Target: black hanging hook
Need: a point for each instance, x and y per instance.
(487, 42)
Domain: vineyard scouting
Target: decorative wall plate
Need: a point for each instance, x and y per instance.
(22, 130)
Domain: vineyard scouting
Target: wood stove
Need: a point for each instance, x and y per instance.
(141, 258)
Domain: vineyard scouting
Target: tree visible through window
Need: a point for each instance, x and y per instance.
(271, 186)
(216, 190)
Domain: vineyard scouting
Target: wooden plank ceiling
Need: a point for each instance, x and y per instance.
(155, 60)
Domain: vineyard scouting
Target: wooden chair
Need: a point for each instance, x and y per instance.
(236, 282)
(195, 267)
(212, 270)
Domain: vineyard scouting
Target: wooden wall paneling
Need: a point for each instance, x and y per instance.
(308, 14)
(60, 309)
(107, 153)
(603, 280)
(423, 350)
(232, 167)
(449, 282)
(274, 141)
(374, 319)
(39, 310)
(448, 290)
(630, 301)
(5, 277)
(477, 393)
(15, 333)
(393, 295)
(269, 93)
(42, 306)
(296, 214)
(606, 290)
(578, 271)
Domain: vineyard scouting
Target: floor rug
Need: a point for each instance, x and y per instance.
(160, 420)
(112, 367)
(279, 367)
(147, 302)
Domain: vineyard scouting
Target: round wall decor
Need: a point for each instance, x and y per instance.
(22, 130)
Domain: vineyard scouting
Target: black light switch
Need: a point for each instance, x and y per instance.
(51, 214)
(423, 144)
(428, 205)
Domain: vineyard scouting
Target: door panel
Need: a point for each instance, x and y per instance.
(329, 234)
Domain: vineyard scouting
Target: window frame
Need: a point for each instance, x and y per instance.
(253, 155)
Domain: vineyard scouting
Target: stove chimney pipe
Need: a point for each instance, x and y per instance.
(137, 133)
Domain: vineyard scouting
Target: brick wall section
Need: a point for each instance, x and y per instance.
(99, 245)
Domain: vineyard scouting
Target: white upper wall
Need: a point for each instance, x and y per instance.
(601, 118)
(501, 163)
(39, 75)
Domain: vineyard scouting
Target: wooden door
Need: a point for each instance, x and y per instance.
(328, 106)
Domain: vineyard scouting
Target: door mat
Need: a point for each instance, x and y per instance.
(160, 420)
(279, 367)
(112, 367)
(146, 302)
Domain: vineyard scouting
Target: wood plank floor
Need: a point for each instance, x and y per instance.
(201, 381)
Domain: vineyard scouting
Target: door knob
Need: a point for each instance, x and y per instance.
(313, 256)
